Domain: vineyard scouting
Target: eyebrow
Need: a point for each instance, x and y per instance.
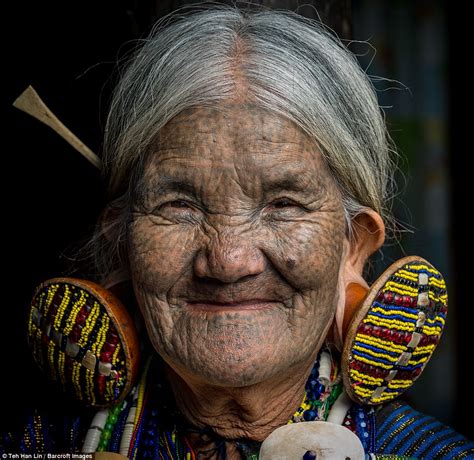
(295, 183)
(299, 182)
(167, 183)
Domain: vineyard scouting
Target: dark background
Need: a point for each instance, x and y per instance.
(52, 195)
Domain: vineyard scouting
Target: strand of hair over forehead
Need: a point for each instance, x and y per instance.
(291, 66)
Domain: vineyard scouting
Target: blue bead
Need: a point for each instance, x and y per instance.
(310, 415)
(309, 455)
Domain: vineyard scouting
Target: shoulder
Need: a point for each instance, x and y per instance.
(401, 430)
(43, 432)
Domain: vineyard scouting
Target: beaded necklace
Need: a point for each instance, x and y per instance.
(148, 424)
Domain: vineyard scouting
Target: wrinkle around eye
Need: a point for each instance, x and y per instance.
(155, 219)
(189, 214)
(287, 202)
(301, 213)
(288, 207)
(176, 207)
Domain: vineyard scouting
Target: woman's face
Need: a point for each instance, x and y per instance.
(235, 245)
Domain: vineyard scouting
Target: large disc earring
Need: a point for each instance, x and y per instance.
(394, 331)
(84, 338)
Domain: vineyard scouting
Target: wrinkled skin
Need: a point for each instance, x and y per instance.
(234, 233)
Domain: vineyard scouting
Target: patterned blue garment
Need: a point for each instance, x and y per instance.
(403, 431)
(396, 431)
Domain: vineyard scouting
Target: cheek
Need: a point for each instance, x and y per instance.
(308, 253)
(158, 254)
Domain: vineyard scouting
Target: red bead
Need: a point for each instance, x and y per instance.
(388, 297)
(397, 336)
(109, 346)
(398, 299)
(380, 296)
(112, 337)
(76, 332)
(368, 329)
(84, 311)
(378, 372)
(80, 318)
(406, 301)
(57, 299)
(366, 368)
(386, 333)
(106, 356)
(101, 383)
(355, 365)
(377, 331)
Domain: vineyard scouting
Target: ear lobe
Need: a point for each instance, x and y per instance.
(367, 237)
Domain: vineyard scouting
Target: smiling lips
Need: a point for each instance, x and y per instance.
(249, 304)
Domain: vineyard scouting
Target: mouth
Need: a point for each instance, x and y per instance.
(251, 304)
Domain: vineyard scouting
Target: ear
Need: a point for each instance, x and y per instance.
(367, 237)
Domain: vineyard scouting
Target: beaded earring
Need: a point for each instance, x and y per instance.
(84, 338)
(394, 331)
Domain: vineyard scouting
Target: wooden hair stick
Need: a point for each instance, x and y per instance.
(30, 102)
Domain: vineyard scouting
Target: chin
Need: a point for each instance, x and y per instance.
(228, 368)
(234, 376)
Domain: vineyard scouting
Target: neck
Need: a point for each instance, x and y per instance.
(250, 412)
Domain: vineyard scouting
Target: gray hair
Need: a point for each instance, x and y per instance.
(291, 65)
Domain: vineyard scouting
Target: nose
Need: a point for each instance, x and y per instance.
(228, 259)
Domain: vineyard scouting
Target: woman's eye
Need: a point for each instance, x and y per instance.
(283, 203)
(176, 204)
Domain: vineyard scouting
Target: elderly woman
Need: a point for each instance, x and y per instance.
(249, 178)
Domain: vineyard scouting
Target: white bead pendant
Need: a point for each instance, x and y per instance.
(327, 440)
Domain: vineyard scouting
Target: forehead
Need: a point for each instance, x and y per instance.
(238, 122)
(238, 135)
